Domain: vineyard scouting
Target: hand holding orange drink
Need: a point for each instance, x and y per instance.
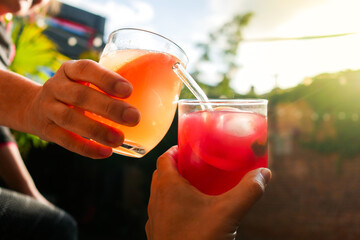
(145, 59)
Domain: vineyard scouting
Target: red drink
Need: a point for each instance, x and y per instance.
(218, 147)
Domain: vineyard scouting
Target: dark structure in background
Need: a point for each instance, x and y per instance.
(75, 31)
(107, 197)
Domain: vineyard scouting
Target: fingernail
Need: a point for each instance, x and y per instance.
(114, 137)
(131, 115)
(105, 152)
(124, 89)
(266, 174)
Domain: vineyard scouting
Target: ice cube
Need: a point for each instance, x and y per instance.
(239, 124)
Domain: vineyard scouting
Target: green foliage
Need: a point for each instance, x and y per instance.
(26, 141)
(91, 54)
(36, 55)
(334, 94)
(339, 94)
(224, 41)
(36, 58)
(221, 49)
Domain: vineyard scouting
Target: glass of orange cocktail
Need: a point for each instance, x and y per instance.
(145, 59)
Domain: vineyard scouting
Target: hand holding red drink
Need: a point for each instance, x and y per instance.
(178, 211)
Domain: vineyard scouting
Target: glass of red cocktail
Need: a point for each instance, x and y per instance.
(219, 144)
(146, 60)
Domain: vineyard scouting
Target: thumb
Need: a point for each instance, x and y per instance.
(248, 191)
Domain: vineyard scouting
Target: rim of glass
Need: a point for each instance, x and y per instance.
(185, 61)
(224, 102)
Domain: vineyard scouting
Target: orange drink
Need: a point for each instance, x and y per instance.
(156, 87)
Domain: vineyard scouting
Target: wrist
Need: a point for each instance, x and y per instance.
(29, 109)
(30, 190)
(21, 185)
(16, 95)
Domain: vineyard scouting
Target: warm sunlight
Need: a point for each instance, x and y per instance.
(283, 81)
(264, 64)
(285, 63)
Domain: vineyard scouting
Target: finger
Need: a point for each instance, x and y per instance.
(153, 193)
(247, 192)
(167, 161)
(83, 97)
(76, 143)
(147, 229)
(75, 121)
(167, 171)
(174, 154)
(105, 79)
(153, 182)
(168, 175)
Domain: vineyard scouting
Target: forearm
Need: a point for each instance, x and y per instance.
(16, 93)
(13, 170)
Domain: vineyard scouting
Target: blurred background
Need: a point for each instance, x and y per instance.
(301, 55)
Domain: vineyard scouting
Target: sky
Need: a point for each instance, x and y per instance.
(264, 64)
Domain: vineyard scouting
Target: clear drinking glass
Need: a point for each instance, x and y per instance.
(146, 60)
(219, 145)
